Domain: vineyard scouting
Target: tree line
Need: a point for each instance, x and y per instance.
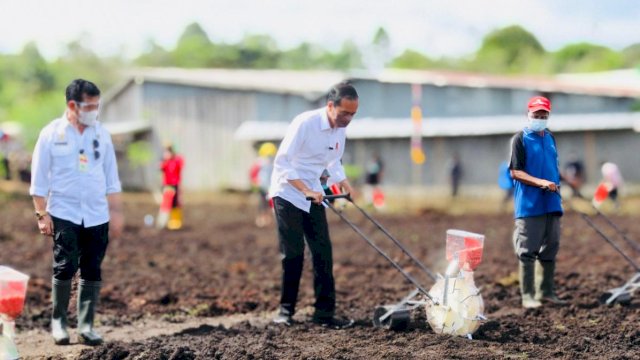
(31, 87)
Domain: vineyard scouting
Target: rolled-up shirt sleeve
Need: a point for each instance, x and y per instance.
(41, 166)
(111, 170)
(291, 143)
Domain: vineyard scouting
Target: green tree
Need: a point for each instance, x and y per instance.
(381, 37)
(411, 59)
(585, 57)
(80, 61)
(631, 55)
(35, 70)
(511, 50)
(154, 55)
(258, 52)
(380, 55)
(303, 56)
(194, 49)
(348, 57)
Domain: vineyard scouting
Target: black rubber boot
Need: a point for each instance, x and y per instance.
(545, 285)
(60, 294)
(527, 285)
(88, 294)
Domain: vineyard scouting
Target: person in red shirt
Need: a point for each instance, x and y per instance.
(170, 214)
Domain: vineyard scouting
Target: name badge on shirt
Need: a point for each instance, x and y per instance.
(83, 162)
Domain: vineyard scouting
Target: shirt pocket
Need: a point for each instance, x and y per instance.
(316, 151)
(63, 156)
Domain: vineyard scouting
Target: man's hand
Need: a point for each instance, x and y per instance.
(45, 225)
(116, 224)
(549, 185)
(315, 195)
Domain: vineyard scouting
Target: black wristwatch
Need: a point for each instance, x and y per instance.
(40, 214)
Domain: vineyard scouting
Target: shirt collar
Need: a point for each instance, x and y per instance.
(64, 122)
(324, 120)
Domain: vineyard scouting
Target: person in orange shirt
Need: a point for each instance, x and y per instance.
(170, 214)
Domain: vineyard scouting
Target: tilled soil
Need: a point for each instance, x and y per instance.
(221, 264)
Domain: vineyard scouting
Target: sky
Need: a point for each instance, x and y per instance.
(437, 28)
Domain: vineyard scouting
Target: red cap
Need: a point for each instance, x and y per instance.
(539, 103)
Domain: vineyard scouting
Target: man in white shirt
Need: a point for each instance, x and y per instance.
(76, 194)
(314, 141)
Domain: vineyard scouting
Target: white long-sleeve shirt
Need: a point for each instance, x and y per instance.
(76, 186)
(309, 147)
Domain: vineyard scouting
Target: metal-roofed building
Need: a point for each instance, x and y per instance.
(216, 116)
(482, 142)
(199, 111)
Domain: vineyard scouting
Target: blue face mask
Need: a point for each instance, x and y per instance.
(537, 124)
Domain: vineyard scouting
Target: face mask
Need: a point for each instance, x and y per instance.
(88, 118)
(537, 124)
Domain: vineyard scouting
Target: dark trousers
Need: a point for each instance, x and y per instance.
(294, 227)
(75, 246)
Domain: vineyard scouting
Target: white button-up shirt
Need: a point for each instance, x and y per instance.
(309, 147)
(76, 189)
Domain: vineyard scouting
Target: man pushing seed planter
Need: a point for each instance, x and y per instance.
(314, 141)
(537, 206)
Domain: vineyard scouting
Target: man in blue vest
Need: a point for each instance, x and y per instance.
(537, 205)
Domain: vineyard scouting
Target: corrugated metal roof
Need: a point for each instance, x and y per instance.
(309, 84)
(622, 78)
(126, 127)
(602, 85)
(313, 84)
(369, 128)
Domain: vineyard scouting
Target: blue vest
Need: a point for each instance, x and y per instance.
(541, 161)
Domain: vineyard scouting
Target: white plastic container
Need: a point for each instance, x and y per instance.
(466, 246)
(13, 290)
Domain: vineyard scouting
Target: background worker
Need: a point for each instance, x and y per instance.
(373, 178)
(537, 205)
(263, 180)
(171, 208)
(613, 181)
(314, 142)
(76, 194)
(455, 174)
(505, 182)
(574, 175)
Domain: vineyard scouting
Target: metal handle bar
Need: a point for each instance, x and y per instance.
(630, 242)
(606, 238)
(381, 252)
(395, 241)
(332, 197)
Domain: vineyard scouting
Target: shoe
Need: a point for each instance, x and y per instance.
(333, 322)
(283, 319)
